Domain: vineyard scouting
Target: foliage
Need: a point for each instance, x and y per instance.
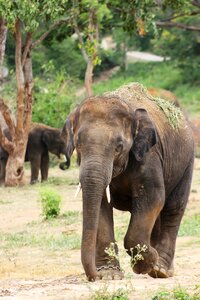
(173, 113)
(178, 293)
(164, 75)
(136, 254)
(50, 201)
(64, 56)
(183, 47)
(111, 251)
(30, 13)
(104, 294)
(58, 95)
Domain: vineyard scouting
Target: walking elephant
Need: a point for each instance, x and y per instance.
(42, 140)
(141, 149)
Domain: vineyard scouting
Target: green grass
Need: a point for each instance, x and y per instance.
(44, 241)
(104, 294)
(190, 98)
(5, 202)
(52, 181)
(178, 293)
(72, 217)
(190, 226)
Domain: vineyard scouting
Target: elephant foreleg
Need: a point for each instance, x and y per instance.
(44, 166)
(107, 263)
(139, 232)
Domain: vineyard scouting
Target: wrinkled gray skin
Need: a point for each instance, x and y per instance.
(148, 165)
(42, 140)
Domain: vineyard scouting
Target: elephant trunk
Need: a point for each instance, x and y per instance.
(94, 178)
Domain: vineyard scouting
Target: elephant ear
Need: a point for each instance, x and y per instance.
(68, 132)
(145, 134)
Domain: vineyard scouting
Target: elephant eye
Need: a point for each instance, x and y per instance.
(119, 147)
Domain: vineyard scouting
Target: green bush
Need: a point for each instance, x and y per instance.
(50, 201)
(53, 98)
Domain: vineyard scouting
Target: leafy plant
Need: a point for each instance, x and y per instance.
(136, 254)
(178, 293)
(111, 251)
(50, 203)
(104, 294)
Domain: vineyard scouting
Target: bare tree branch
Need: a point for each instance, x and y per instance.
(178, 25)
(77, 31)
(3, 36)
(7, 117)
(19, 77)
(44, 35)
(7, 145)
(196, 3)
(193, 13)
(18, 54)
(27, 47)
(28, 75)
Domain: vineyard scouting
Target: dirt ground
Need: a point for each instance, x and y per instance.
(30, 271)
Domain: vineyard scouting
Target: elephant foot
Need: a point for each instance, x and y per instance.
(160, 271)
(110, 272)
(146, 263)
(34, 181)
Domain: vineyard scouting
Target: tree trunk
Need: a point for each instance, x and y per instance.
(19, 136)
(88, 77)
(124, 66)
(3, 36)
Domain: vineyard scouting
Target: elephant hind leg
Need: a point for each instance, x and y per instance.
(35, 167)
(44, 166)
(170, 219)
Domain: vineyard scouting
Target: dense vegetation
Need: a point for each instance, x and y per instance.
(59, 68)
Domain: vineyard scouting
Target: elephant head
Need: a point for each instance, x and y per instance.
(56, 144)
(106, 134)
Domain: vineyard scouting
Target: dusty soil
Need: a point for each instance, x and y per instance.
(32, 271)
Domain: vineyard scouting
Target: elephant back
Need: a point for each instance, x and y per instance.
(165, 115)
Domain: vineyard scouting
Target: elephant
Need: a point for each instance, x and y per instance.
(42, 139)
(133, 157)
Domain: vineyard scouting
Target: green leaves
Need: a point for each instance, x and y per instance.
(31, 13)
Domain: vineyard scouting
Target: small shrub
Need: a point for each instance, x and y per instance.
(178, 293)
(50, 200)
(136, 254)
(104, 294)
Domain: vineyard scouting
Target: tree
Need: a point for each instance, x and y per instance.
(87, 18)
(23, 19)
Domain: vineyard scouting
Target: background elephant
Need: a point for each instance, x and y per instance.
(42, 140)
(144, 151)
